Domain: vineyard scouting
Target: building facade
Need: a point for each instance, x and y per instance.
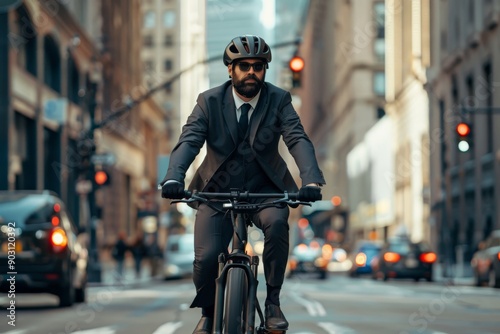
(407, 58)
(342, 90)
(69, 71)
(463, 84)
(48, 59)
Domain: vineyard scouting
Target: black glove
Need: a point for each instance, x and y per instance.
(310, 194)
(173, 189)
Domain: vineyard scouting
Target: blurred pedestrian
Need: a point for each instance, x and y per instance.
(138, 251)
(119, 251)
(154, 254)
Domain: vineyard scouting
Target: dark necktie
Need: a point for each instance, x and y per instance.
(243, 122)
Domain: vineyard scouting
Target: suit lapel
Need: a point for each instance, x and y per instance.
(229, 114)
(258, 114)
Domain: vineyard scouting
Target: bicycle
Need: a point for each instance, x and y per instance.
(236, 285)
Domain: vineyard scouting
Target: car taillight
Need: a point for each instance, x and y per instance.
(428, 257)
(58, 239)
(360, 259)
(326, 252)
(392, 257)
(498, 256)
(55, 220)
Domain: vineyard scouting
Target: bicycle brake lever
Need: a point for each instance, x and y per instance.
(183, 200)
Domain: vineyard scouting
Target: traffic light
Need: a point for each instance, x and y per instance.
(296, 65)
(101, 178)
(464, 136)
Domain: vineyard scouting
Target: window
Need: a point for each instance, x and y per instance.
(471, 11)
(379, 41)
(149, 19)
(51, 63)
(487, 71)
(168, 41)
(380, 112)
(149, 66)
(168, 65)
(148, 41)
(379, 13)
(169, 19)
(379, 83)
(379, 49)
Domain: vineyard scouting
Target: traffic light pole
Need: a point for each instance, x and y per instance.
(94, 266)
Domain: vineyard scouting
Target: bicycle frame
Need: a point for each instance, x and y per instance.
(238, 258)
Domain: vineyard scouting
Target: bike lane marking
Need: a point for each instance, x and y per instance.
(168, 328)
(314, 308)
(332, 328)
(100, 330)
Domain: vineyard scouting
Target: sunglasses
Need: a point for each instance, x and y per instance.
(245, 67)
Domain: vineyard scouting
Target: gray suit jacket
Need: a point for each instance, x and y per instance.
(213, 121)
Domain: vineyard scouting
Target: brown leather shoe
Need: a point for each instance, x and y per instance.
(204, 326)
(275, 320)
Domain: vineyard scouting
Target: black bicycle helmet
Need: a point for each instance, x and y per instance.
(247, 46)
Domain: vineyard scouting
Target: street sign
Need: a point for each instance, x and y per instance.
(107, 159)
(56, 110)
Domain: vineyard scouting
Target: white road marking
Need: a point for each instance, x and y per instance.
(314, 308)
(331, 328)
(101, 330)
(17, 331)
(168, 328)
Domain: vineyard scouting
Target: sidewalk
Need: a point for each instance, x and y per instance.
(461, 276)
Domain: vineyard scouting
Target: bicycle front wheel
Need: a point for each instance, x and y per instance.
(236, 301)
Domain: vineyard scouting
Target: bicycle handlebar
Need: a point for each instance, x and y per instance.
(237, 198)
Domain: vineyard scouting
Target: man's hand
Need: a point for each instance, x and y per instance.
(172, 189)
(310, 193)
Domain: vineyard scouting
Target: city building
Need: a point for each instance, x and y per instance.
(407, 58)
(72, 104)
(462, 80)
(342, 93)
(48, 61)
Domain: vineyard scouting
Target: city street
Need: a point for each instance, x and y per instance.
(337, 305)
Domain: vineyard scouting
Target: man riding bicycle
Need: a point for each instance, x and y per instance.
(241, 123)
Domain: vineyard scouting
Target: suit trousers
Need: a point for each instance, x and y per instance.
(212, 233)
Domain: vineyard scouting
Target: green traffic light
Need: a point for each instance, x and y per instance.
(463, 146)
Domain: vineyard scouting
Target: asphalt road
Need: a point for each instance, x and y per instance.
(338, 305)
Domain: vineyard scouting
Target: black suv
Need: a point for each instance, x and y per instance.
(41, 249)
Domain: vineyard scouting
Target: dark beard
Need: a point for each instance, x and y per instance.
(248, 90)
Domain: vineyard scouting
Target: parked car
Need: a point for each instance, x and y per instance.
(312, 256)
(485, 261)
(178, 256)
(41, 245)
(362, 257)
(401, 258)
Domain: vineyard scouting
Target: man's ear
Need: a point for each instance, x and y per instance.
(230, 69)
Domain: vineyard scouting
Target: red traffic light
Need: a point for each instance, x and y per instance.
(296, 64)
(336, 200)
(101, 177)
(463, 129)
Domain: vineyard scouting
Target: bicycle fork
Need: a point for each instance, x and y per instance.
(250, 267)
